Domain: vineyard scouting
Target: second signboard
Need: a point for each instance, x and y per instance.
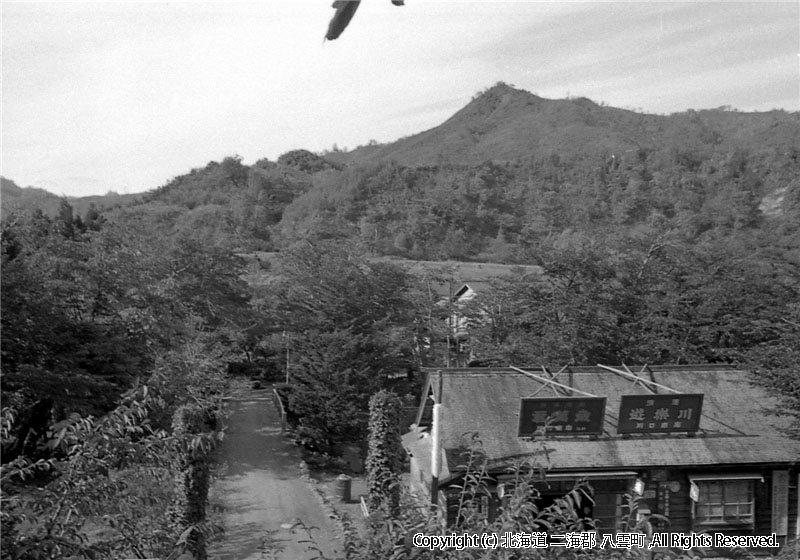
(650, 414)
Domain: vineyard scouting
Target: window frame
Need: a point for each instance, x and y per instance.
(733, 491)
(479, 503)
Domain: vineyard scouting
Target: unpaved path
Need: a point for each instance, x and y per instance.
(261, 494)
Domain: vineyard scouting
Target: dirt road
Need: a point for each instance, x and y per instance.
(261, 494)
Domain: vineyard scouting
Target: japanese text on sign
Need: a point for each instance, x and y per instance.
(562, 416)
(641, 414)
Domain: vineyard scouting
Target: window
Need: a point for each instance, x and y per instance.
(725, 502)
(460, 507)
(607, 510)
(580, 503)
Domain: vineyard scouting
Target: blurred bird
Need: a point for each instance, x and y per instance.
(345, 9)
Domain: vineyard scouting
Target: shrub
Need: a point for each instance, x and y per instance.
(385, 449)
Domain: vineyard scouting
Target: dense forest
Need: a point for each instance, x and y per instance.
(109, 337)
(661, 239)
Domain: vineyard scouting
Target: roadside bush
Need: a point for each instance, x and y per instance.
(285, 392)
(194, 428)
(243, 369)
(324, 462)
(385, 450)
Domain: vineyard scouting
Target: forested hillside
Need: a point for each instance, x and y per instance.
(511, 169)
(17, 199)
(507, 171)
(507, 124)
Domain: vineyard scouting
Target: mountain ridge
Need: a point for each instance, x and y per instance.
(507, 170)
(14, 198)
(503, 123)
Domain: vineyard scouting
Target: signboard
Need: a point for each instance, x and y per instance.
(563, 416)
(650, 414)
(780, 502)
(662, 499)
(694, 491)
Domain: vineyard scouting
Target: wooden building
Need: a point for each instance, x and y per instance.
(700, 443)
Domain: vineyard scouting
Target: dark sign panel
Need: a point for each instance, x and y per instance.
(565, 416)
(651, 414)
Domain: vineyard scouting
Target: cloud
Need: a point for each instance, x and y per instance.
(623, 48)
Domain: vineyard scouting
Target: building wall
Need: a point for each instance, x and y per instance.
(789, 504)
(419, 480)
(667, 492)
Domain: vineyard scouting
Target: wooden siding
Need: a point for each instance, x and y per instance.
(680, 504)
(763, 498)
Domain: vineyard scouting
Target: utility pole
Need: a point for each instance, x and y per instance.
(286, 342)
(449, 320)
(436, 442)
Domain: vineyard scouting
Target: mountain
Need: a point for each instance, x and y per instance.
(506, 124)
(14, 198)
(511, 169)
(504, 173)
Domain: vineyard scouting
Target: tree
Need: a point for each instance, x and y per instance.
(84, 318)
(65, 220)
(66, 346)
(332, 377)
(93, 220)
(646, 297)
(104, 334)
(115, 469)
(351, 323)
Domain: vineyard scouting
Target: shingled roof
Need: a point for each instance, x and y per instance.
(449, 277)
(736, 427)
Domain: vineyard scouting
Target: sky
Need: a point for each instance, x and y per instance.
(124, 96)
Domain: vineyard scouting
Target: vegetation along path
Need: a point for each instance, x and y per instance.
(261, 492)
